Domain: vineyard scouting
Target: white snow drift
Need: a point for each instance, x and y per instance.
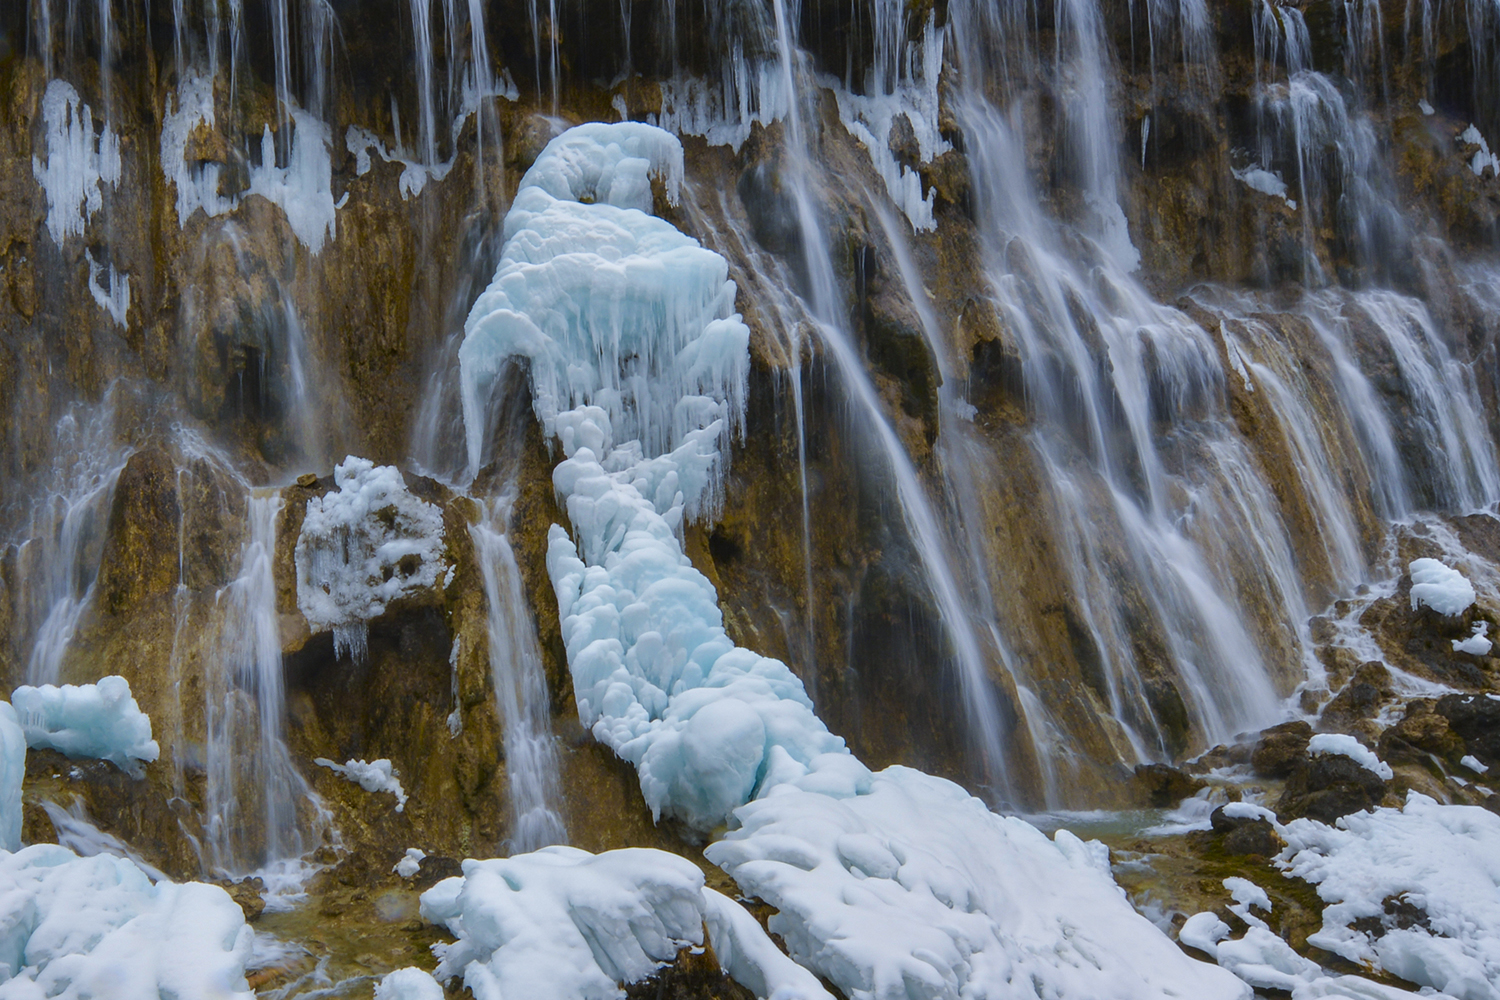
(1441, 588)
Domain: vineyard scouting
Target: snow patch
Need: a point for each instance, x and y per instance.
(1483, 159)
(1443, 860)
(409, 865)
(1266, 182)
(87, 720)
(1473, 763)
(1477, 644)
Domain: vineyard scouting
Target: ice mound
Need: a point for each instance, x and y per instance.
(363, 547)
(87, 720)
(1444, 860)
(410, 863)
(12, 775)
(409, 983)
(612, 307)
(900, 884)
(1442, 589)
(566, 924)
(563, 924)
(1352, 748)
(374, 776)
(78, 161)
(74, 928)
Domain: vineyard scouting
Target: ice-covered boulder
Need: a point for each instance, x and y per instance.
(12, 775)
(87, 720)
(73, 928)
(1441, 588)
(563, 924)
(409, 983)
(362, 547)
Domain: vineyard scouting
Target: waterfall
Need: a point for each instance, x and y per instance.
(531, 766)
(256, 802)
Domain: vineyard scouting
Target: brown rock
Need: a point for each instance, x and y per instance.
(1163, 786)
(140, 557)
(1280, 749)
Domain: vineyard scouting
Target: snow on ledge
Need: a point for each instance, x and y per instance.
(375, 776)
(1441, 588)
(1348, 746)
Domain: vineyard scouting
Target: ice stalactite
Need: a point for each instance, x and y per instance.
(79, 162)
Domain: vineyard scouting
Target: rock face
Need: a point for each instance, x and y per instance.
(1141, 484)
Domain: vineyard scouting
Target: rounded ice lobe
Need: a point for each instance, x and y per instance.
(87, 720)
(1442, 589)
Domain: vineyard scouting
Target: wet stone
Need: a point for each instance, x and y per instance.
(1280, 749)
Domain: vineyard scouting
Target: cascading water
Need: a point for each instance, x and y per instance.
(531, 765)
(256, 800)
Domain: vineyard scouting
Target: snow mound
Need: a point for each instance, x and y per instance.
(900, 884)
(12, 775)
(361, 548)
(375, 776)
(410, 863)
(87, 720)
(78, 161)
(563, 924)
(1444, 860)
(1442, 589)
(1348, 746)
(74, 928)
(409, 983)
(750, 957)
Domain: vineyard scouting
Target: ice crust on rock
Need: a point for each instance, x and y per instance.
(74, 928)
(87, 720)
(197, 183)
(1442, 859)
(1442, 589)
(12, 775)
(900, 884)
(1352, 748)
(372, 776)
(78, 161)
(362, 547)
(563, 924)
(304, 187)
(409, 983)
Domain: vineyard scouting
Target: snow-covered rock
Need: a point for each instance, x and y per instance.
(409, 983)
(74, 928)
(410, 863)
(1348, 746)
(372, 776)
(87, 720)
(362, 547)
(1441, 588)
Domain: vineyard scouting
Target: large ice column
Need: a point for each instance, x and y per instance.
(87, 720)
(611, 306)
(12, 774)
(362, 547)
(98, 927)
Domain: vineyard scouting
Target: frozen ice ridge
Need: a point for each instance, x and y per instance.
(895, 884)
(87, 720)
(362, 547)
